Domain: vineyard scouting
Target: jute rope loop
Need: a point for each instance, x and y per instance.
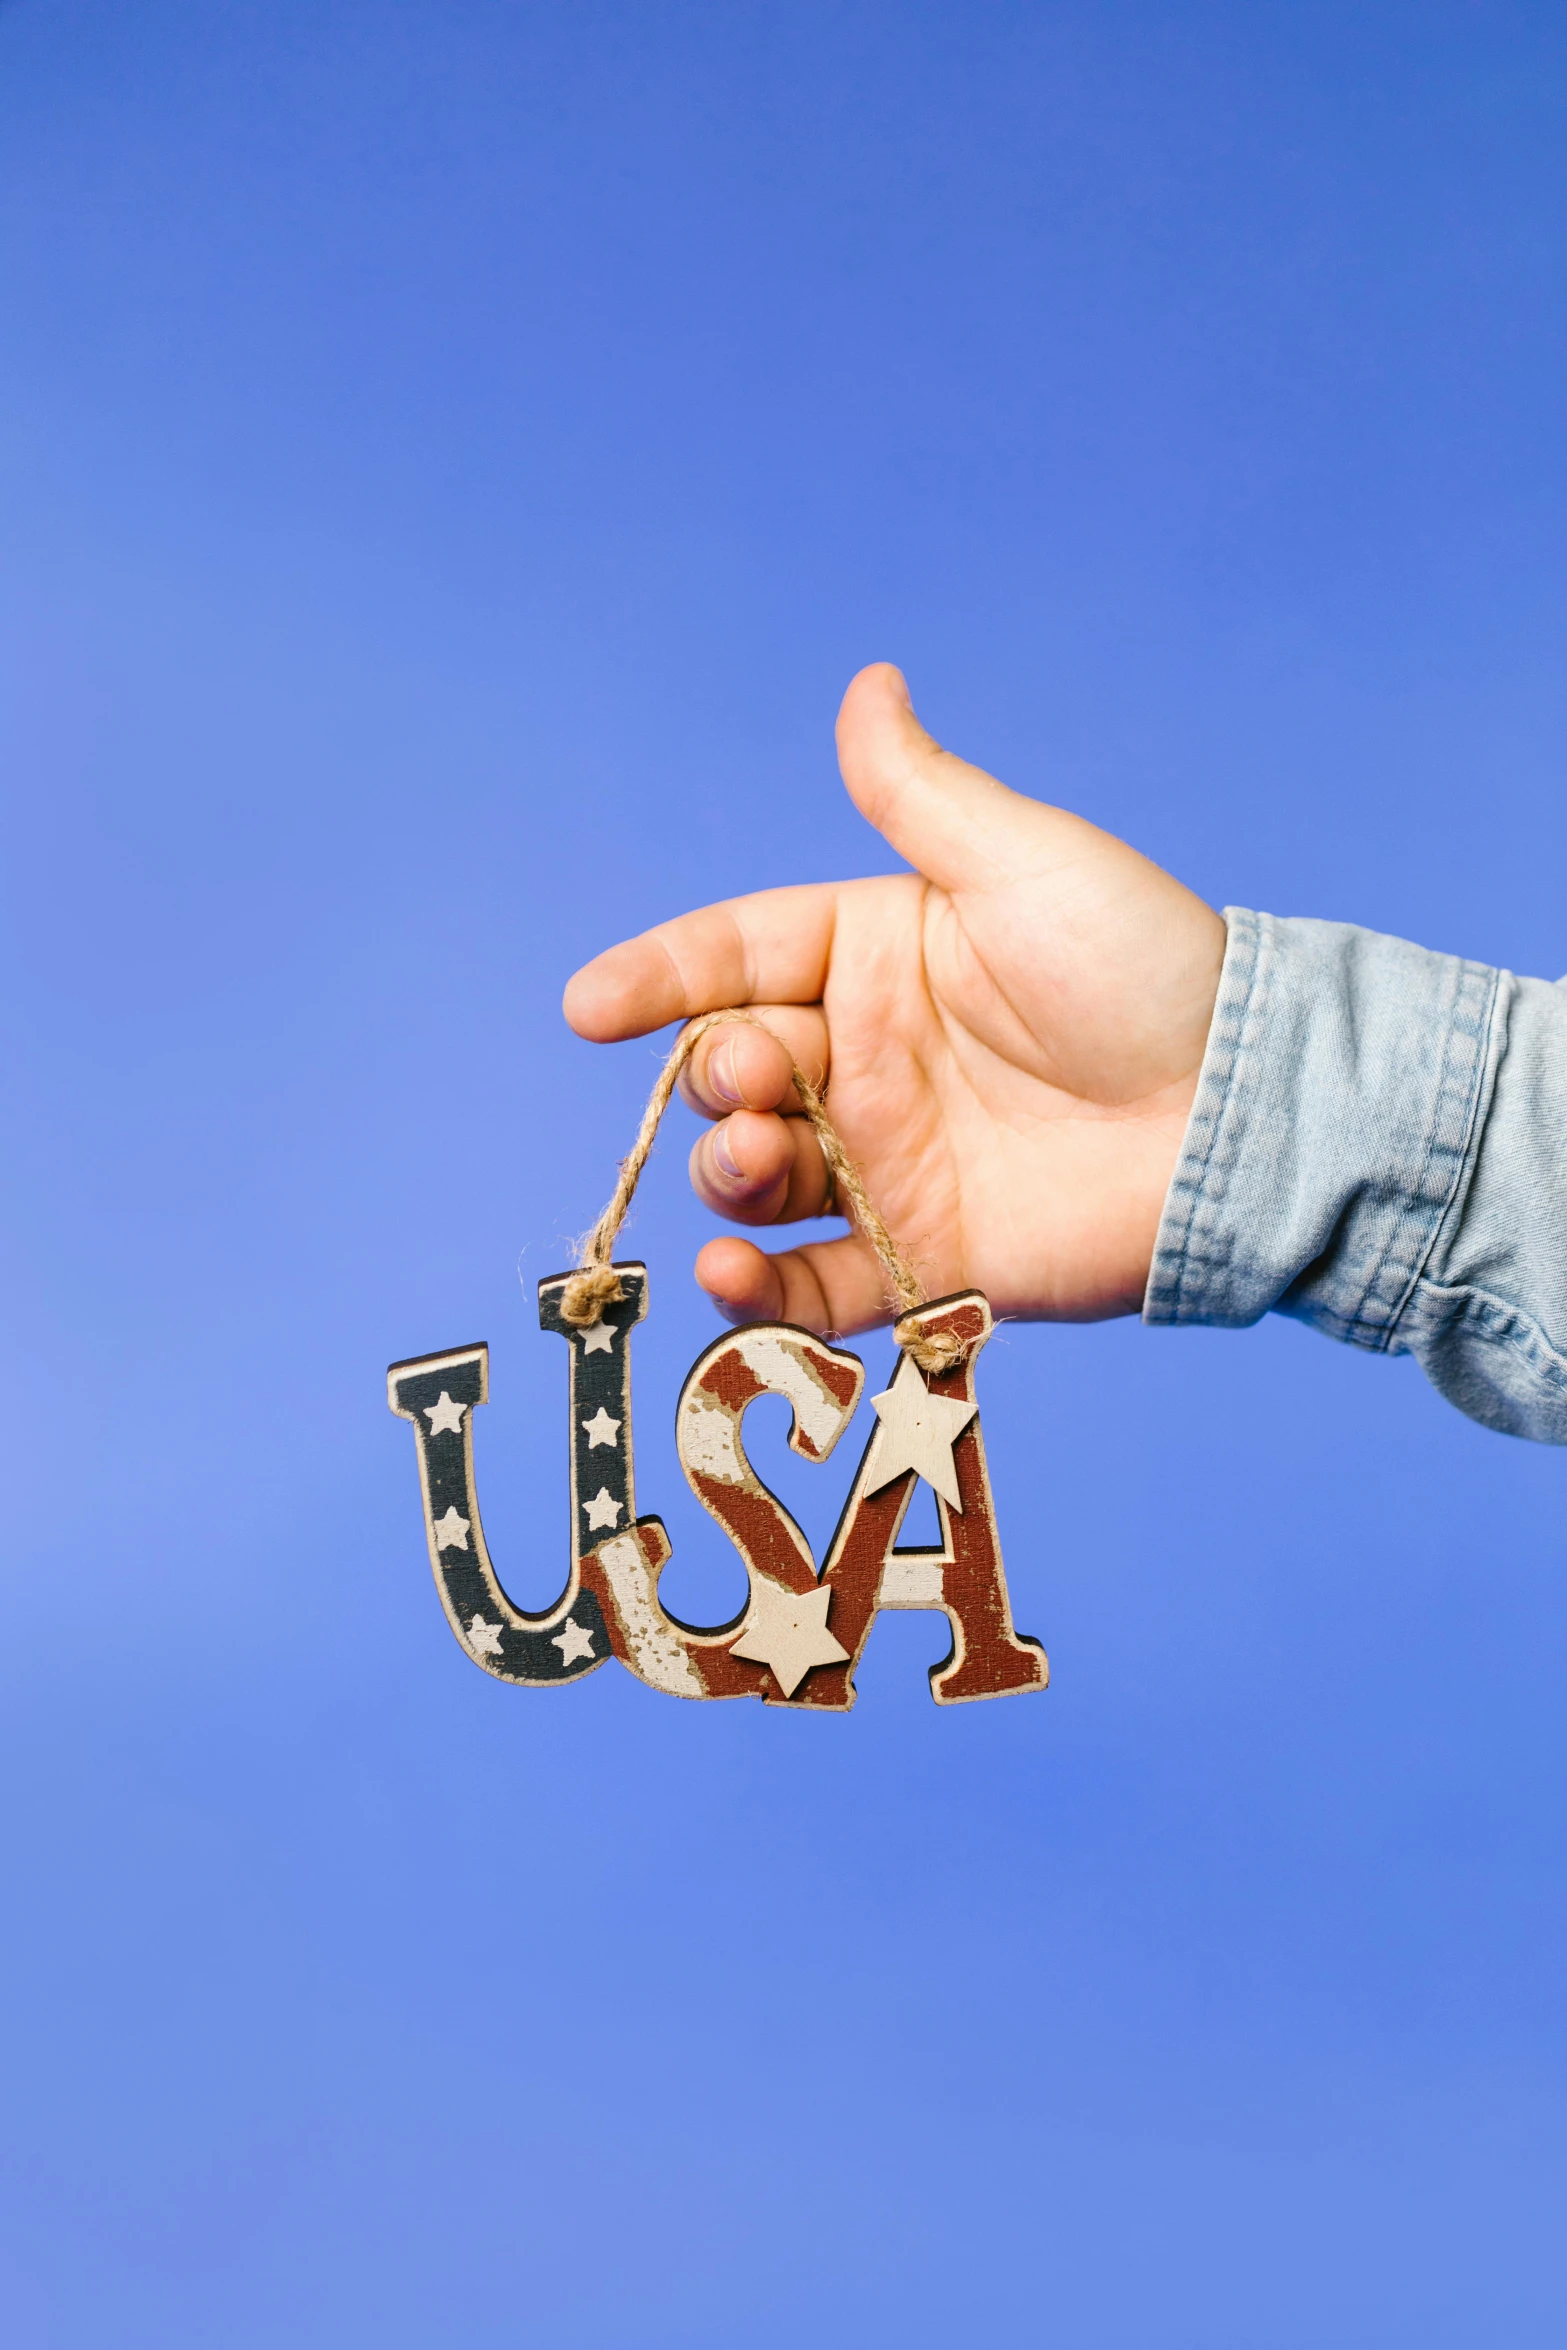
(596, 1284)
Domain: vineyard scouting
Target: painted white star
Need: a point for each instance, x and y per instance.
(787, 1632)
(443, 1414)
(484, 1639)
(601, 1510)
(918, 1431)
(598, 1337)
(451, 1532)
(574, 1641)
(601, 1429)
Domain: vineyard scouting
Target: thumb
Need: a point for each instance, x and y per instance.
(952, 822)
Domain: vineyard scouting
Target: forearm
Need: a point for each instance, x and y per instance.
(1379, 1147)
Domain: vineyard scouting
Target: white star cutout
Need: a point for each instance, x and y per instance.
(598, 1337)
(443, 1415)
(601, 1429)
(484, 1639)
(451, 1532)
(601, 1510)
(787, 1632)
(576, 1640)
(918, 1431)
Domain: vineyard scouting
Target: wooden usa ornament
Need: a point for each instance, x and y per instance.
(802, 1631)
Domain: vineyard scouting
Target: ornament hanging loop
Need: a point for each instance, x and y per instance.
(596, 1284)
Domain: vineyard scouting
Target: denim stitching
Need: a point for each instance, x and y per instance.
(1466, 1061)
(1524, 1342)
(1183, 1266)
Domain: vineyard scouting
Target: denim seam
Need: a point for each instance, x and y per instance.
(1498, 1320)
(1445, 1159)
(1492, 1044)
(1209, 1149)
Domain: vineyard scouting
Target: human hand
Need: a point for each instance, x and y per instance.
(1011, 1035)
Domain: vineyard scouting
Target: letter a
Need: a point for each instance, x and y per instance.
(925, 1430)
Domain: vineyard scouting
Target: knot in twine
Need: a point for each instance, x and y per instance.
(596, 1284)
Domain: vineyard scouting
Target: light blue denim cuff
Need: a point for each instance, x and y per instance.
(1379, 1147)
(1344, 1082)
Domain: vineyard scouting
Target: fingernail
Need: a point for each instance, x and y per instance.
(721, 1076)
(722, 1158)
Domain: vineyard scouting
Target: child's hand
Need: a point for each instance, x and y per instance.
(1011, 1036)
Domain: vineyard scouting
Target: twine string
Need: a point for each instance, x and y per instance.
(596, 1284)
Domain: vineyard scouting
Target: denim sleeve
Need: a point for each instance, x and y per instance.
(1379, 1147)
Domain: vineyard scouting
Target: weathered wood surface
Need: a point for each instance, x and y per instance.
(800, 1635)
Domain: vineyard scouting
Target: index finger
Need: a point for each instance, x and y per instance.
(772, 947)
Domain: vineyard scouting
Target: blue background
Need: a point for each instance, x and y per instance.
(454, 457)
